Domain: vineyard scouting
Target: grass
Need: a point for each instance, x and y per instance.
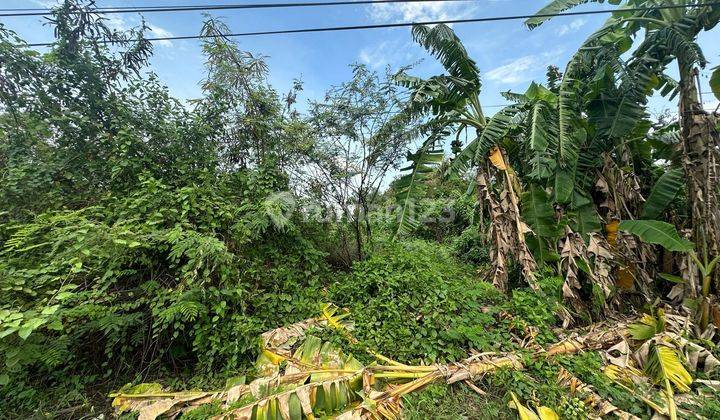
(440, 401)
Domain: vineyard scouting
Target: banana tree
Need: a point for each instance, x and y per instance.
(663, 34)
(551, 144)
(452, 102)
(665, 235)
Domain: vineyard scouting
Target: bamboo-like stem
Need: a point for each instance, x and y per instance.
(400, 375)
(414, 385)
(404, 368)
(385, 359)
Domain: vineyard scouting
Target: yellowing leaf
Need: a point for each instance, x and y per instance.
(496, 158)
(622, 374)
(611, 230)
(625, 278)
(547, 413)
(524, 412)
(665, 364)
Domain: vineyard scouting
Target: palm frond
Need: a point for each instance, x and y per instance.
(665, 364)
(443, 44)
(494, 131)
(657, 232)
(671, 42)
(554, 7)
(422, 163)
(542, 127)
(434, 95)
(538, 212)
(663, 193)
(646, 327)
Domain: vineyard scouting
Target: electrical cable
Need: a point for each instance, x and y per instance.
(190, 8)
(392, 25)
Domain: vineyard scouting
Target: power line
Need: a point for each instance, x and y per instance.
(392, 25)
(190, 8)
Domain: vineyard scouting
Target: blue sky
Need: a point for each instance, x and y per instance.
(508, 54)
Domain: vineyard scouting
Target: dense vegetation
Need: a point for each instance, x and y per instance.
(147, 240)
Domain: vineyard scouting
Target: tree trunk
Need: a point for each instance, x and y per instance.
(506, 226)
(700, 142)
(358, 235)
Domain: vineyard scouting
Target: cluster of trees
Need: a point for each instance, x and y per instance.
(567, 164)
(139, 234)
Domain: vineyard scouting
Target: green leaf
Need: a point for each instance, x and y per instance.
(663, 193)
(645, 328)
(494, 131)
(553, 8)
(585, 220)
(50, 310)
(540, 249)
(564, 185)
(538, 212)
(29, 326)
(671, 278)
(540, 123)
(422, 164)
(441, 42)
(715, 82)
(657, 232)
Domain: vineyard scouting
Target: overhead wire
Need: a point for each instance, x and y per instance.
(397, 25)
(190, 8)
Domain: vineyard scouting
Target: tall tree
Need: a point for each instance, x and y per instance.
(360, 132)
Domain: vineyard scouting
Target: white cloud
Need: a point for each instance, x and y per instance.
(116, 22)
(48, 4)
(571, 27)
(523, 69)
(387, 53)
(158, 32)
(120, 23)
(419, 12)
(515, 71)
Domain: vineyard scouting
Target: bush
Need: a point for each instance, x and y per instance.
(414, 301)
(471, 247)
(169, 277)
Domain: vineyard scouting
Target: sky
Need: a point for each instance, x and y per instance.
(509, 55)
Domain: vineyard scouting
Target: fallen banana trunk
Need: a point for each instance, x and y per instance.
(339, 393)
(597, 337)
(304, 377)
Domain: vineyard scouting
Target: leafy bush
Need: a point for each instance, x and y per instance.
(413, 301)
(537, 310)
(184, 277)
(471, 247)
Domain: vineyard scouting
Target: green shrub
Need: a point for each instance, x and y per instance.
(186, 277)
(413, 301)
(471, 247)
